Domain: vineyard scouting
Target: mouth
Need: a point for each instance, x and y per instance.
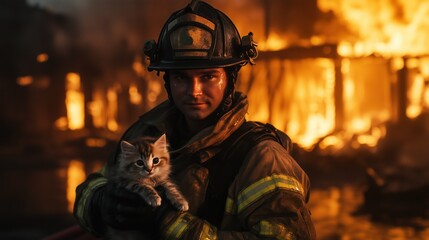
(195, 104)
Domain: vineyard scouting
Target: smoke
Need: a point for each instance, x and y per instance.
(104, 25)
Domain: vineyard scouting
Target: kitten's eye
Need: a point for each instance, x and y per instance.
(139, 163)
(155, 160)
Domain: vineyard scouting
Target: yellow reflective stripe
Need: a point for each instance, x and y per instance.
(209, 232)
(179, 226)
(85, 195)
(229, 206)
(267, 185)
(274, 230)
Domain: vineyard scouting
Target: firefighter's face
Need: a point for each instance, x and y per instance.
(198, 92)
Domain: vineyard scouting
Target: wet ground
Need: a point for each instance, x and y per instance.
(336, 203)
(337, 215)
(338, 206)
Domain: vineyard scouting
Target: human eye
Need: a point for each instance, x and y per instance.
(178, 78)
(208, 77)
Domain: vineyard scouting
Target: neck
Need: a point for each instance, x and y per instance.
(195, 126)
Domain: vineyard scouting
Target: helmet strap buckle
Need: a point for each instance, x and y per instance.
(248, 47)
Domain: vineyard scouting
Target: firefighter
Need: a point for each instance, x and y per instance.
(239, 184)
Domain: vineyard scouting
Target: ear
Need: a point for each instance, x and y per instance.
(127, 147)
(162, 142)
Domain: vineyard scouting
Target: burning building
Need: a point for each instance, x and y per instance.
(342, 78)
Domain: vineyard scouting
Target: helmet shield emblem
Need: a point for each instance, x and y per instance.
(191, 41)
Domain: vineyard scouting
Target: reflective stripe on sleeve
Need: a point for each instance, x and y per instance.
(85, 196)
(273, 230)
(182, 225)
(209, 232)
(179, 226)
(263, 187)
(229, 205)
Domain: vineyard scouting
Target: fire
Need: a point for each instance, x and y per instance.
(418, 87)
(135, 96)
(112, 110)
(273, 43)
(296, 96)
(96, 109)
(75, 175)
(25, 80)
(61, 123)
(388, 28)
(42, 57)
(75, 103)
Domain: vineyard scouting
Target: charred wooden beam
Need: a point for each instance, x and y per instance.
(296, 52)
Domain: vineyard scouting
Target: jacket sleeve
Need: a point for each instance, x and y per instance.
(82, 210)
(267, 200)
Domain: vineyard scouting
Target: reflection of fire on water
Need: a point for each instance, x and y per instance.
(75, 176)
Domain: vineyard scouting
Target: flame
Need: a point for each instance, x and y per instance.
(273, 43)
(25, 80)
(371, 139)
(96, 109)
(135, 96)
(300, 97)
(297, 98)
(42, 57)
(61, 123)
(418, 89)
(337, 141)
(154, 90)
(75, 175)
(386, 27)
(74, 102)
(138, 66)
(112, 110)
(415, 97)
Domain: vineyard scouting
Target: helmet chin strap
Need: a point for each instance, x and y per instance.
(167, 86)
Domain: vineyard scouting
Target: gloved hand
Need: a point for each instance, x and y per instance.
(120, 208)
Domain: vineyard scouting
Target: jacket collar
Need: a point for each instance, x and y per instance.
(165, 117)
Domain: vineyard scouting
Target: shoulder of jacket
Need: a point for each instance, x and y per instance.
(154, 118)
(162, 109)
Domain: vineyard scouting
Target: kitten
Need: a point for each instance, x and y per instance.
(144, 164)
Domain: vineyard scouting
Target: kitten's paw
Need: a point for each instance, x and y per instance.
(154, 201)
(182, 206)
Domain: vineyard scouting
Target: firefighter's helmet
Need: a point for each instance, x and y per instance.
(199, 36)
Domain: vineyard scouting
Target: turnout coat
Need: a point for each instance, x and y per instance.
(266, 199)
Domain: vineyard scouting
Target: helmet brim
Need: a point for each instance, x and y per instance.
(195, 64)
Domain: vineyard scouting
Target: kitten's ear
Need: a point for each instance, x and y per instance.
(162, 141)
(127, 147)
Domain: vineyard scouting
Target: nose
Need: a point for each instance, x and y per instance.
(195, 87)
(149, 170)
